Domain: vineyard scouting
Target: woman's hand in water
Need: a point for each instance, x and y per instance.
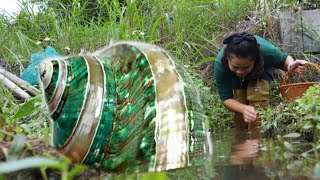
(249, 114)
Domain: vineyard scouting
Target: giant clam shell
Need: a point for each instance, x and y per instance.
(129, 106)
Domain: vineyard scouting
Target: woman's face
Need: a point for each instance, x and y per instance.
(240, 66)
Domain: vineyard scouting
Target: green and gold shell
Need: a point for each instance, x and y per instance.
(128, 107)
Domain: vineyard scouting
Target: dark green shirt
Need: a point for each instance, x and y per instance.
(225, 79)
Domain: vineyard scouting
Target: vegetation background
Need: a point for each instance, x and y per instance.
(191, 30)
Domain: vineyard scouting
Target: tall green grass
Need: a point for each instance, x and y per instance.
(187, 28)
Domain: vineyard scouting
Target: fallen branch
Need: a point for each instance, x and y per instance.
(14, 88)
(18, 82)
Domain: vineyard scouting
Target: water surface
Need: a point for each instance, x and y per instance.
(244, 155)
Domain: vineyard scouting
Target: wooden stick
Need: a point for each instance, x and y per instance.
(20, 82)
(13, 87)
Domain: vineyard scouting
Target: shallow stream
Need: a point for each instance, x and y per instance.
(246, 156)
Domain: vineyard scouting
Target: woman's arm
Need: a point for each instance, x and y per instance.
(249, 113)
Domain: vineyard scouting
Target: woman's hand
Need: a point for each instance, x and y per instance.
(301, 69)
(249, 114)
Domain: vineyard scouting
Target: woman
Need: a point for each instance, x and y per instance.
(243, 70)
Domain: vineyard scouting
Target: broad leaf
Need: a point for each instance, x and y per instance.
(292, 135)
(30, 162)
(27, 108)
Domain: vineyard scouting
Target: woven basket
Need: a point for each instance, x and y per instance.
(290, 91)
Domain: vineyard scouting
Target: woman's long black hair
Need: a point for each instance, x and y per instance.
(243, 45)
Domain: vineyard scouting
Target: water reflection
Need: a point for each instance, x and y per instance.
(239, 161)
(244, 146)
(245, 155)
(244, 151)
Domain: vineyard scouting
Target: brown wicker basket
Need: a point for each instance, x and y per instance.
(290, 91)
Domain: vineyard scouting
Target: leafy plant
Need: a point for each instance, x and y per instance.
(298, 115)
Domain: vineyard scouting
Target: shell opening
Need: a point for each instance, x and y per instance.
(46, 71)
